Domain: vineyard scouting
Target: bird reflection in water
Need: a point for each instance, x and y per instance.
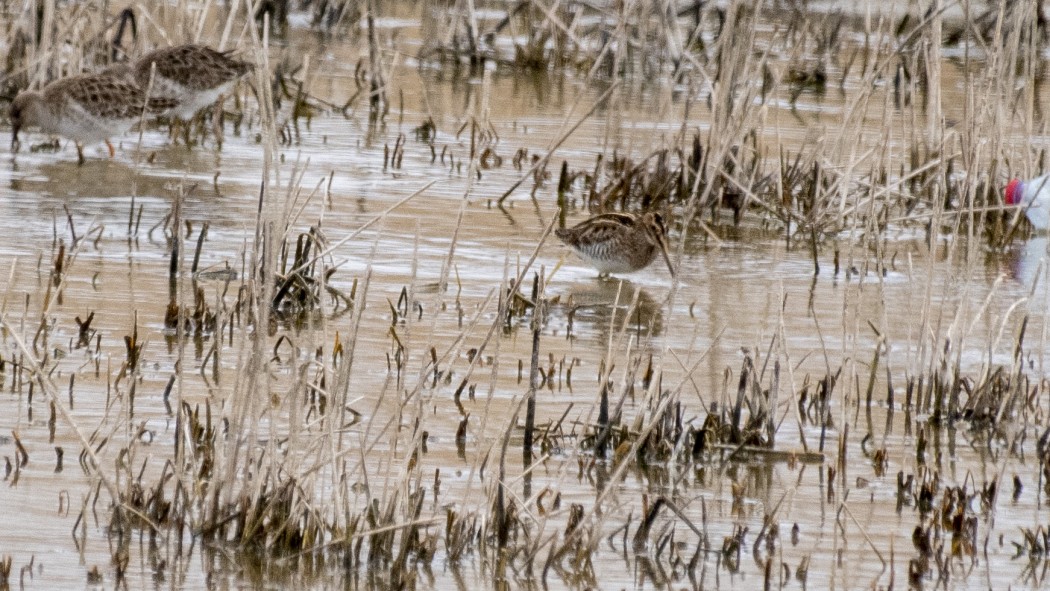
(1027, 264)
(615, 305)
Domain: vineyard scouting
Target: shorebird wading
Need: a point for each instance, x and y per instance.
(194, 75)
(86, 109)
(619, 242)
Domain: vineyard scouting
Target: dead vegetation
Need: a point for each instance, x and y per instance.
(292, 459)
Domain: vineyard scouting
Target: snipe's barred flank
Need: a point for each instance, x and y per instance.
(619, 242)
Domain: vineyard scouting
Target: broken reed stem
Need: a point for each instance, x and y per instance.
(377, 100)
(534, 362)
(268, 230)
(358, 231)
(29, 362)
(175, 257)
(201, 236)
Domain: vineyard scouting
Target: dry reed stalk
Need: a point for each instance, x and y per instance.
(50, 389)
(276, 441)
(243, 408)
(542, 162)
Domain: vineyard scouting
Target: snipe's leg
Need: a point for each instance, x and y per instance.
(80, 153)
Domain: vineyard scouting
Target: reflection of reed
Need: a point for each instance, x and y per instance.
(611, 306)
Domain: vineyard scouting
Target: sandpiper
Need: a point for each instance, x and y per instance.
(194, 75)
(619, 242)
(86, 109)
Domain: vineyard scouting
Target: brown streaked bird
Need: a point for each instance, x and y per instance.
(619, 242)
(194, 75)
(87, 108)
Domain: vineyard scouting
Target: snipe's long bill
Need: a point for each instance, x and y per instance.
(619, 242)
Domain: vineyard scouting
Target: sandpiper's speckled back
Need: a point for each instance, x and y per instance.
(87, 108)
(195, 75)
(618, 242)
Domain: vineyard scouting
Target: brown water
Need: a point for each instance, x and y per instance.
(739, 291)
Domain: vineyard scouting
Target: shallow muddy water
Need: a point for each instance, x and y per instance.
(740, 287)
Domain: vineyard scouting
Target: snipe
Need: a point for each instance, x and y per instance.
(619, 242)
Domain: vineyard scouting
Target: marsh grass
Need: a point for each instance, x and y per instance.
(278, 459)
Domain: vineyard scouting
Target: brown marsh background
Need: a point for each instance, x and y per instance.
(340, 347)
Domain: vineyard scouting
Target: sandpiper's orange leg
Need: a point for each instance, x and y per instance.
(177, 128)
(217, 115)
(112, 152)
